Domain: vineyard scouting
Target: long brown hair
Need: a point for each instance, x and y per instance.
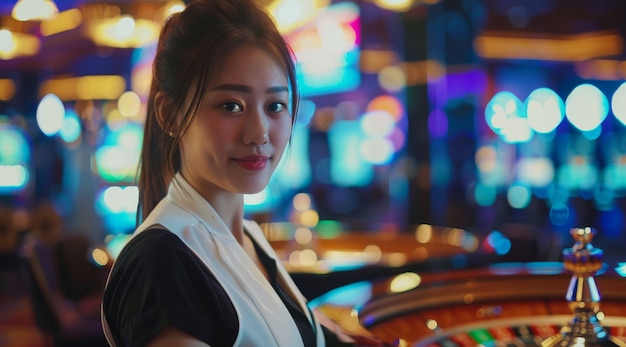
(192, 46)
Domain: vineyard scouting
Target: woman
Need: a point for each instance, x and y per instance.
(220, 113)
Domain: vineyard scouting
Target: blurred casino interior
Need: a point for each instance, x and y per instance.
(433, 135)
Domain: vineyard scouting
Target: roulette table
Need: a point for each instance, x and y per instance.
(350, 249)
(321, 261)
(503, 304)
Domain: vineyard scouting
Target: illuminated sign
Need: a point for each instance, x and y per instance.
(327, 51)
(118, 157)
(15, 154)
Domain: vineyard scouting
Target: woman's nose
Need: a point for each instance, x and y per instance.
(256, 128)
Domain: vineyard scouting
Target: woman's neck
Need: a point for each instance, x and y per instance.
(228, 205)
(230, 208)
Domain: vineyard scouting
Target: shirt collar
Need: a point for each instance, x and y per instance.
(181, 193)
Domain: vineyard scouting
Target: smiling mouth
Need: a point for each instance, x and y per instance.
(253, 162)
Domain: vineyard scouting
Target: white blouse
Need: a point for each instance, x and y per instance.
(264, 320)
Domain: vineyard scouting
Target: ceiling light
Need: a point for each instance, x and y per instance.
(17, 38)
(131, 26)
(25, 10)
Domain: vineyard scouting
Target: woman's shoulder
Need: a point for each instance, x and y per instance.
(157, 282)
(158, 259)
(154, 246)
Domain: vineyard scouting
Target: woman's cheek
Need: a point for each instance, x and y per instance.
(284, 132)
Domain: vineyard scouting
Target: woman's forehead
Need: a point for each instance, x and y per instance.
(250, 66)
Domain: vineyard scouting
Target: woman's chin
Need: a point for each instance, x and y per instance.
(251, 190)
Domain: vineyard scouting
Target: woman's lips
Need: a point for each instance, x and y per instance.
(252, 162)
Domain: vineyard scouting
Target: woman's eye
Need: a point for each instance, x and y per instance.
(232, 107)
(277, 107)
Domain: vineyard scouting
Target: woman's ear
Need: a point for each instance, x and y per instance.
(163, 112)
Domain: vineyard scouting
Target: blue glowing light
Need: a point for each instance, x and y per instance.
(378, 151)
(506, 116)
(578, 175)
(485, 195)
(330, 62)
(71, 128)
(592, 134)
(259, 202)
(559, 214)
(115, 244)
(347, 166)
(545, 267)
(294, 170)
(507, 268)
(349, 295)
(118, 207)
(15, 155)
(306, 111)
(545, 110)
(14, 146)
(117, 159)
(621, 269)
(518, 196)
(614, 176)
(618, 103)
(498, 242)
(586, 107)
(339, 80)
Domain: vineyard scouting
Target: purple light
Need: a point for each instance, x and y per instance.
(458, 85)
(397, 138)
(437, 123)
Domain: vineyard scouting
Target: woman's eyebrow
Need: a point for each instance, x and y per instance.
(247, 89)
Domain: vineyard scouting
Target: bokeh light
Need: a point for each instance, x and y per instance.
(586, 107)
(578, 174)
(405, 281)
(559, 214)
(15, 158)
(484, 194)
(618, 103)
(389, 104)
(518, 196)
(545, 110)
(118, 207)
(392, 78)
(378, 151)
(536, 171)
(117, 159)
(302, 202)
(347, 165)
(498, 243)
(437, 123)
(129, 104)
(50, 114)
(71, 128)
(506, 116)
(377, 123)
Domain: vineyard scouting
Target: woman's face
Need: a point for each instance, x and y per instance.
(241, 129)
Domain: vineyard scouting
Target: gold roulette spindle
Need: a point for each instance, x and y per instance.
(584, 328)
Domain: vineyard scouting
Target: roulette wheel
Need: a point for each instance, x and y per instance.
(578, 302)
